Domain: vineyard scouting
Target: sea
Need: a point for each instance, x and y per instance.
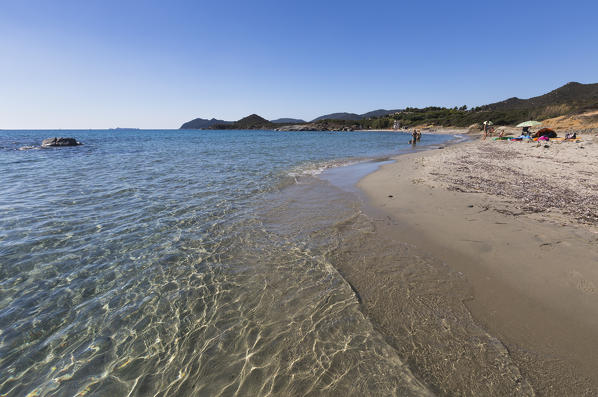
(212, 263)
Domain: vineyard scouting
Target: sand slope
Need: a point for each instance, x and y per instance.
(587, 120)
(520, 222)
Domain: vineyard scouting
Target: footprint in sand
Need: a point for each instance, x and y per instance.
(582, 284)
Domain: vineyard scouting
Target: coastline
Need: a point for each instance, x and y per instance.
(429, 130)
(530, 274)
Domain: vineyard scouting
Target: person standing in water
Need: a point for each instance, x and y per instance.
(413, 137)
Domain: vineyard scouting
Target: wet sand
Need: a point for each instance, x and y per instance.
(519, 223)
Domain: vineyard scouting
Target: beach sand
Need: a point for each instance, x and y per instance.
(519, 221)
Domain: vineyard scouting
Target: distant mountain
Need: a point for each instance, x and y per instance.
(253, 122)
(287, 121)
(572, 94)
(197, 124)
(339, 116)
(355, 116)
(570, 99)
(379, 113)
(250, 122)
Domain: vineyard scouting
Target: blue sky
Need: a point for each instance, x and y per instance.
(156, 64)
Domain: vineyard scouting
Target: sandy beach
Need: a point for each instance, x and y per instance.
(519, 222)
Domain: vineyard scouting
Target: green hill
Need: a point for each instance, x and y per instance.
(288, 121)
(571, 99)
(200, 123)
(251, 122)
(576, 96)
(339, 116)
(355, 116)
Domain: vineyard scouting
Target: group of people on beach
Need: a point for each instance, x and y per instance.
(488, 130)
(542, 136)
(416, 136)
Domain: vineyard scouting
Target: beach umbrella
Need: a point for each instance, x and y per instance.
(488, 122)
(530, 123)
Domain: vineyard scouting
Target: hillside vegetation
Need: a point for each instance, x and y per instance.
(355, 116)
(567, 101)
(570, 99)
(200, 123)
(251, 122)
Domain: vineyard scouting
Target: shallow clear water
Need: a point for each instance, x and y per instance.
(184, 262)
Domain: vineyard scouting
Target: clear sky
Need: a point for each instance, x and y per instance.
(156, 64)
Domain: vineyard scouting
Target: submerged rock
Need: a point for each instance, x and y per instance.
(52, 142)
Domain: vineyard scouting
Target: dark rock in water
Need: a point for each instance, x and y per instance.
(51, 142)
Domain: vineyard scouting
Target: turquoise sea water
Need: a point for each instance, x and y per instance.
(184, 262)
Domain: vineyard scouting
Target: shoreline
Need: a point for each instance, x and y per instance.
(533, 286)
(430, 131)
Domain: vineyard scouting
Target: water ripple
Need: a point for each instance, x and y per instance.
(139, 264)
